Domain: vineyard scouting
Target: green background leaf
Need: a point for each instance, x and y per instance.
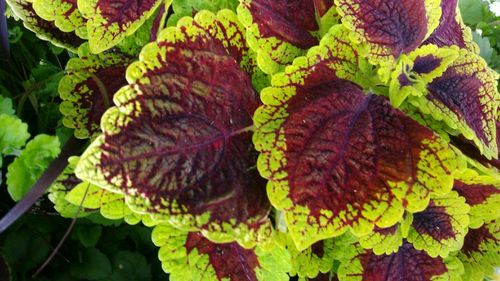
(30, 164)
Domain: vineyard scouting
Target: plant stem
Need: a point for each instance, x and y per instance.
(65, 236)
(102, 89)
(4, 33)
(72, 147)
(158, 23)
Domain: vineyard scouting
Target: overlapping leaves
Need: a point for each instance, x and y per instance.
(465, 97)
(337, 158)
(190, 256)
(64, 14)
(482, 194)
(280, 31)
(44, 29)
(176, 149)
(407, 263)
(481, 251)
(88, 87)
(390, 28)
(178, 142)
(109, 22)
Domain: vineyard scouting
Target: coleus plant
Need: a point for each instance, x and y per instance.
(266, 139)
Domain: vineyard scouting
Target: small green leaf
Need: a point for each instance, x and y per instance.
(130, 266)
(88, 234)
(472, 11)
(6, 106)
(485, 48)
(61, 187)
(24, 250)
(30, 164)
(186, 8)
(13, 134)
(94, 265)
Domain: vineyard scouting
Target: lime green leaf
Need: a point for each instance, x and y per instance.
(438, 230)
(183, 8)
(45, 30)
(482, 193)
(480, 253)
(111, 205)
(417, 69)
(387, 240)
(64, 14)
(13, 134)
(441, 227)
(312, 261)
(31, 163)
(61, 187)
(190, 256)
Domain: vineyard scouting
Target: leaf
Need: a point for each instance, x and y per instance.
(132, 44)
(31, 163)
(61, 187)
(24, 250)
(279, 31)
(417, 69)
(130, 266)
(472, 11)
(88, 88)
(438, 230)
(338, 158)
(88, 235)
(451, 30)
(109, 22)
(64, 14)
(480, 253)
(482, 193)
(387, 240)
(330, 276)
(407, 264)
(111, 205)
(94, 265)
(178, 143)
(485, 48)
(13, 134)
(312, 261)
(45, 30)
(6, 106)
(441, 227)
(190, 256)
(390, 28)
(464, 97)
(188, 8)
